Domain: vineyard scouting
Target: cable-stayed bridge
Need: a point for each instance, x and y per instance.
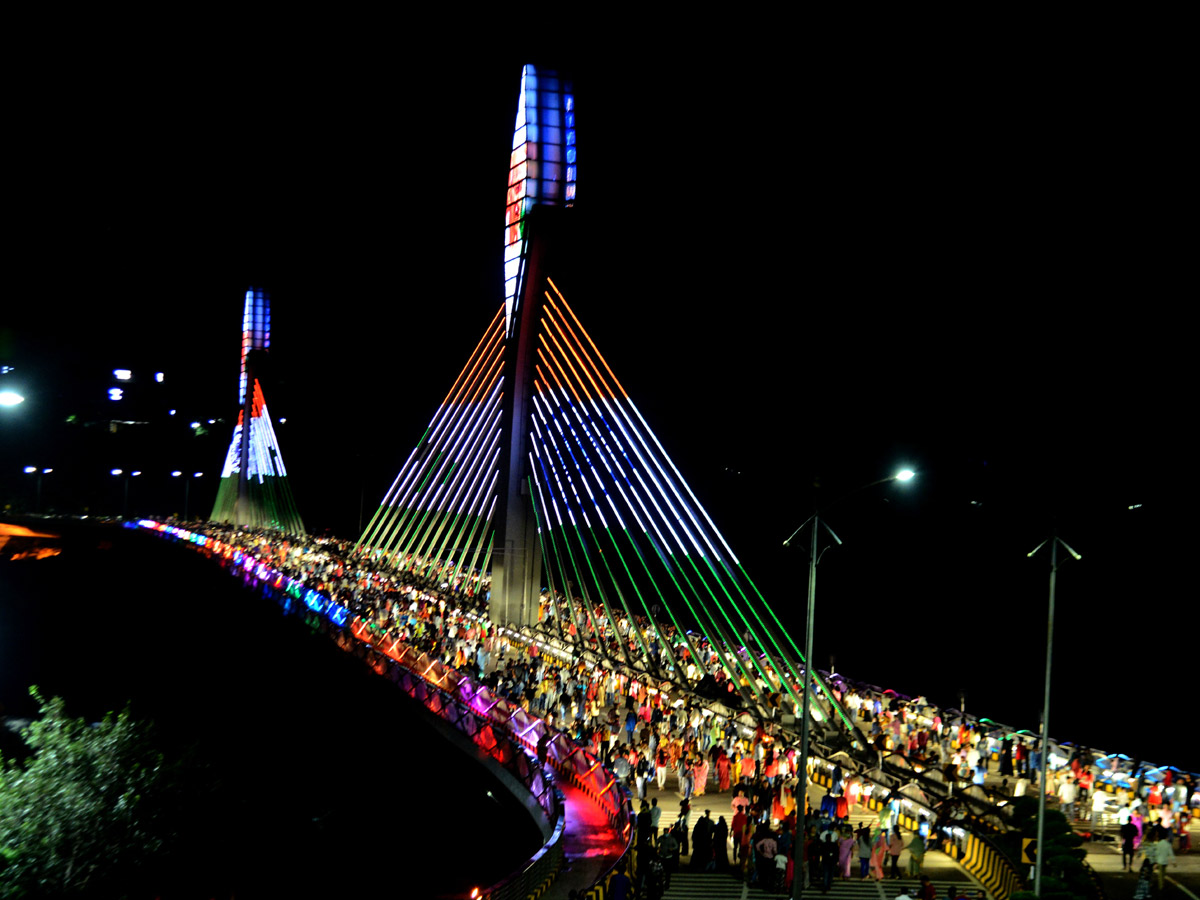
(539, 479)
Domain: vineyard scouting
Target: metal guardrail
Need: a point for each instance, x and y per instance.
(494, 724)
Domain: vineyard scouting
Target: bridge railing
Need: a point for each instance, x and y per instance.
(493, 723)
(964, 840)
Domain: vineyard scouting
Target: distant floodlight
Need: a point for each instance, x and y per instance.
(197, 474)
(905, 475)
(284, 422)
(158, 376)
(122, 374)
(115, 472)
(176, 474)
(115, 393)
(47, 471)
(29, 470)
(170, 412)
(136, 472)
(212, 421)
(10, 398)
(195, 424)
(1136, 506)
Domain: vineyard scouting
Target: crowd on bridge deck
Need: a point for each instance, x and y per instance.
(647, 733)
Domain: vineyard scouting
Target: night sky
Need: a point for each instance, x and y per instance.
(799, 276)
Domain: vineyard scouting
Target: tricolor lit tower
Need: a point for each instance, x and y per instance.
(439, 518)
(254, 489)
(539, 463)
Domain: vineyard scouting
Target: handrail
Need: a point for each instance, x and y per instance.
(456, 698)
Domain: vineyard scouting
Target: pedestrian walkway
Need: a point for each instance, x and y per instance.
(1182, 876)
(945, 873)
(713, 886)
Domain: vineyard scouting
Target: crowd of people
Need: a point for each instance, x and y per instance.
(647, 731)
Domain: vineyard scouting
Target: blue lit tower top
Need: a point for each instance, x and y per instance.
(541, 169)
(256, 332)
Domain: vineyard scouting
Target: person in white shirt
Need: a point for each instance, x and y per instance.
(1099, 803)
(1067, 792)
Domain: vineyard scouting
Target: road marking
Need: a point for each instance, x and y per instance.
(1182, 888)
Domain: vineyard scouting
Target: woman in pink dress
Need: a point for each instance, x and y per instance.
(846, 853)
(701, 776)
(879, 849)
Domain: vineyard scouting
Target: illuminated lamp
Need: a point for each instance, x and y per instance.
(122, 374)
(115, 393)
(29, 470)
(10, 398)
(115, 472)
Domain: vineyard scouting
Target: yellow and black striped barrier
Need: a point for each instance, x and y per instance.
(986, 863)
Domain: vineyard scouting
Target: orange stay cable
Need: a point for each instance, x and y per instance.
(582, 365)
(492, 352)
(554, 374)
(588, 336)
(570, 366)
(487, 331)
(575, 338)
(570, 387)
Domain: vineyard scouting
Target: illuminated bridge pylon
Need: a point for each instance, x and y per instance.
(254, 489)
(539, 475)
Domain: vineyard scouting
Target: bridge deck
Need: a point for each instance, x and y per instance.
(590, 853)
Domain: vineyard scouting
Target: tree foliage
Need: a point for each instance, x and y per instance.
(86, 811)
(1063, 873)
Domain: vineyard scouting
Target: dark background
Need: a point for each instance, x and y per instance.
(303, 771)
(802, 266)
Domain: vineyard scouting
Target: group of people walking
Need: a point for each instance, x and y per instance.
(648, 732)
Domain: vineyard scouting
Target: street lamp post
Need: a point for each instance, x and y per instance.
(39, 472)
(1054, 540)
(817, 523)
(187, 487)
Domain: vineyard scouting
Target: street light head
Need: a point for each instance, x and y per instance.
(29, 470)
(198, 475)
(116, 472)
(176, 474)
(136, 472)
(10, 398)
(905, 475)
